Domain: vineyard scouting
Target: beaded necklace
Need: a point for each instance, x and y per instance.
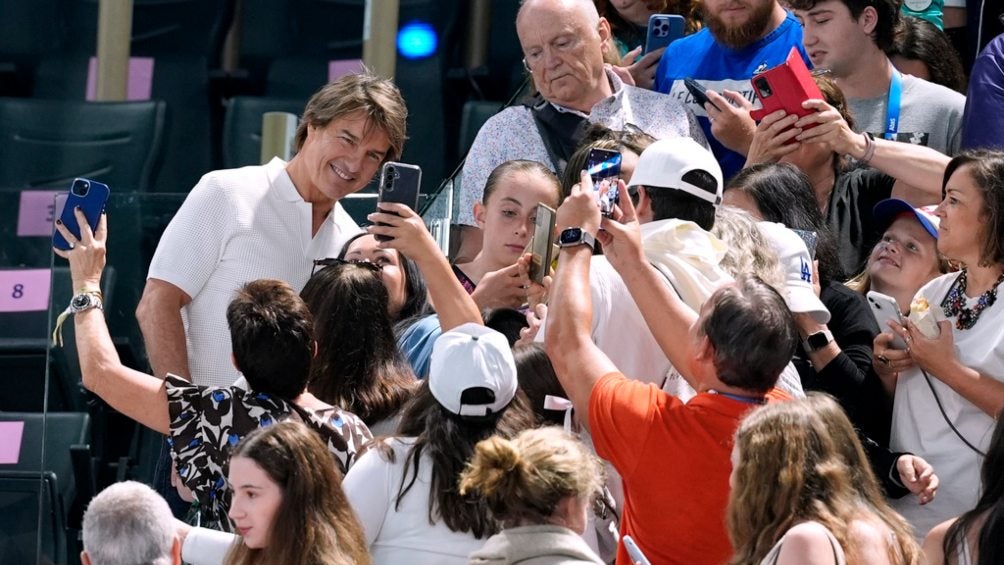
(955, 302)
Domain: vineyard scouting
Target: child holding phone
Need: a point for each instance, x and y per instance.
(506, 215)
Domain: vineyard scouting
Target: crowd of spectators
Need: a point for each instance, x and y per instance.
(702, 376)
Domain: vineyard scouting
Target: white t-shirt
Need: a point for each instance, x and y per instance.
(404, 534)
(919, 427)
(236, 226)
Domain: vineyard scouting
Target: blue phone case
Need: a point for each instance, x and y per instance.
(663, 29)
(90, 196)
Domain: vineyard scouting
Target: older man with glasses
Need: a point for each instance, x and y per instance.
(563, 44)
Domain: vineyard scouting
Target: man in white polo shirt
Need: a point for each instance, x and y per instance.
(268, 221)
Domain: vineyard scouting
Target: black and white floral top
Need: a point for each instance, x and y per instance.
(206, 422)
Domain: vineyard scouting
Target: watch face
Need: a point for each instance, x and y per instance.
(818, 340)
(569, 236)
(81, 300)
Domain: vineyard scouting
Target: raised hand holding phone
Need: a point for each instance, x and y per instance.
(90, 197)
(400, 183)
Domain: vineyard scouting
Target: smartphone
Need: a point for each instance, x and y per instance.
(884, 308)
(663, 29)
(91, 197)
(634, 552)
(401, 183)
(810, 238)
(601, 165)
(697, 90)
(785, 87)
(542, 244)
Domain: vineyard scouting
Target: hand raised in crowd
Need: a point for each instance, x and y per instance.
(406, 228)
(621, 235)
(830, 129)
(504, 288)
(773, 138)
(640, 68)
(580, 209)
(731, 123)
(917, 475)
(534, 319)
(87, 254)
(536, 293)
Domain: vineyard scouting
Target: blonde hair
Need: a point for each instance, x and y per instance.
(789, 472)
(522, 480)
(747, 250)
(845, 438)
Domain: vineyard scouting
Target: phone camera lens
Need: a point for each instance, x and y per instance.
(80, 187)
(763, 87)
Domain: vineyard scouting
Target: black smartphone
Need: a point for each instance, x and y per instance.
(604, 164)
(663, 29)
(401, 183)
(542, 244)
(697, 90)
(91, 197)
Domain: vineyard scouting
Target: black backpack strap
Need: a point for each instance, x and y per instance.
(561, 132)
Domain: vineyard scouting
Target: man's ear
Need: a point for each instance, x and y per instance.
(868, 20)
(643, 209)
(316, 349)
(84, 558)
(705, 350)
(233, 359)
(606, 35)
(479, 214)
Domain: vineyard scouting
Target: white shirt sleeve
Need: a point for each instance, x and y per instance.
(194, 240)
(371, 491)
(206, 547)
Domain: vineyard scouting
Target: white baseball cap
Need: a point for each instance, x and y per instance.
(472, 372)
(667, 162)
(797, 265)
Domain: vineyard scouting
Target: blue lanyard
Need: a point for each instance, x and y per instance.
(892, 107)
(740, 397)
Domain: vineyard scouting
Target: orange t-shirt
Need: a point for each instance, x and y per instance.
(674, 461)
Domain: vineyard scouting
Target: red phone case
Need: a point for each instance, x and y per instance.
(790, 84)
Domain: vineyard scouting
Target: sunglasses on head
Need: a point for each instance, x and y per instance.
(329, 261)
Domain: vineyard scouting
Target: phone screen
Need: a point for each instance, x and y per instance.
(604, 164)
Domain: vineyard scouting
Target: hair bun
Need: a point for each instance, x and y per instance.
(495, 468)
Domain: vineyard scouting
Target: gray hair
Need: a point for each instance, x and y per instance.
(128, 524)
(747, 250)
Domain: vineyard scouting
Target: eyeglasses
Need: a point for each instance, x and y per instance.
(329, 261)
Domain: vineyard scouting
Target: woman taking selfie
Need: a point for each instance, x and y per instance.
(947, 399)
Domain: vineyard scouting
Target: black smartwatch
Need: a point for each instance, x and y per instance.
(817, 341)
(576, 236)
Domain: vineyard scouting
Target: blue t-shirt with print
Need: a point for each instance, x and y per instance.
(717, 67)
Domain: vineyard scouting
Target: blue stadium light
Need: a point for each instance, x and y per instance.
(416, 40)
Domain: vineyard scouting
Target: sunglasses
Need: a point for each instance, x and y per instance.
(329, 261)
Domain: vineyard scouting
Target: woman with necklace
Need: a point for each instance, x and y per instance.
(946, 403)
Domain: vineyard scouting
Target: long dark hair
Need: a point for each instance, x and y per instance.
(448, 441)
(359, 366)
(416, 300)
(314, 510)
(920, 40)
(991, 504)
(784, 194)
